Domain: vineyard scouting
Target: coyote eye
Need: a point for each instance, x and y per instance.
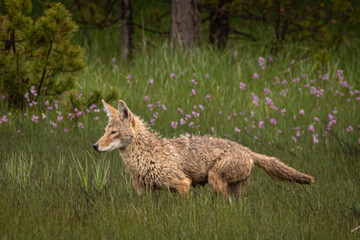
(113, 132)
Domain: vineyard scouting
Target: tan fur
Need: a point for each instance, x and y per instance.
(176, 163)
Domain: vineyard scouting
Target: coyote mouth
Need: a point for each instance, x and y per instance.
(96, 147)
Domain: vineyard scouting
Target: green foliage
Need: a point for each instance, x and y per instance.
(36, 52)
(320, 23)
(96, 13)
(74, 100)
(321, 58)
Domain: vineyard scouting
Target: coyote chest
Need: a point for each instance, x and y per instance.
(151, 165)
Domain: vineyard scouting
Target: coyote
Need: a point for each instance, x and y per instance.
(177, 163)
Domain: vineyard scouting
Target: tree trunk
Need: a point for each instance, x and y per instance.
(185, 22)
(127, 30)
(219, 24)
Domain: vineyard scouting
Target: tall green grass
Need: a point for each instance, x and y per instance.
(53, 185)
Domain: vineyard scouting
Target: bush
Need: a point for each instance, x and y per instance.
(36, 52)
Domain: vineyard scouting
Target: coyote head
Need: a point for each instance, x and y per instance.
(120, 131)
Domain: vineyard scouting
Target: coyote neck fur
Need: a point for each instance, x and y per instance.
(139, 154)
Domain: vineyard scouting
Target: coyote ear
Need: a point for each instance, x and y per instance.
(124, 111)
(110, 110)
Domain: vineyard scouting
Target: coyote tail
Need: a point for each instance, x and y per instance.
(279, 170)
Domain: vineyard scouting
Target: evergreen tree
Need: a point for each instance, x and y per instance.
(35, 52)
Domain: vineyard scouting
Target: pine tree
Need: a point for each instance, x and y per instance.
(35, 52)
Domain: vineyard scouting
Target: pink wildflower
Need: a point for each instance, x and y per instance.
(174, 124)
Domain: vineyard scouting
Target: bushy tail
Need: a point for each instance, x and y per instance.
(279, 170)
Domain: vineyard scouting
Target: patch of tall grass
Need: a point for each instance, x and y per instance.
(52, 185)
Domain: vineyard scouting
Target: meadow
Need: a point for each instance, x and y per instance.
(53, 185)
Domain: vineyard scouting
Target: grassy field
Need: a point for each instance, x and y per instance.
(53, 185)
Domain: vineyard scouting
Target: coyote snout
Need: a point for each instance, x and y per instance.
(96, 147)
(177, 163)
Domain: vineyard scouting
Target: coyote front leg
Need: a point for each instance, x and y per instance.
(182, 186)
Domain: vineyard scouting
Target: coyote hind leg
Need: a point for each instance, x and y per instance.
(235, 189)
(218, 184)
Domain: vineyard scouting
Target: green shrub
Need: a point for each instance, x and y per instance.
(36, 52)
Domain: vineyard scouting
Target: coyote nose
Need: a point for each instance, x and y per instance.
(96, 146)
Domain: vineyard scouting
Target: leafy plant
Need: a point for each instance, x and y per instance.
(36, 52)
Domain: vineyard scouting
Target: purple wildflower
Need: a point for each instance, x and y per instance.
(195, 114)
(261, 63)
(325, 77)
(128, 79)
(174, 124)
(4, 118)
(255, 98)
(273, 121)
(193, 81)
(242, 86)
(255, 75)
(261, 124)
(252, 114)
(33, 91)
(335, 111)
(53, 124)
(349, 128)
(315, 140)
(284, 92)
(339, 72)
